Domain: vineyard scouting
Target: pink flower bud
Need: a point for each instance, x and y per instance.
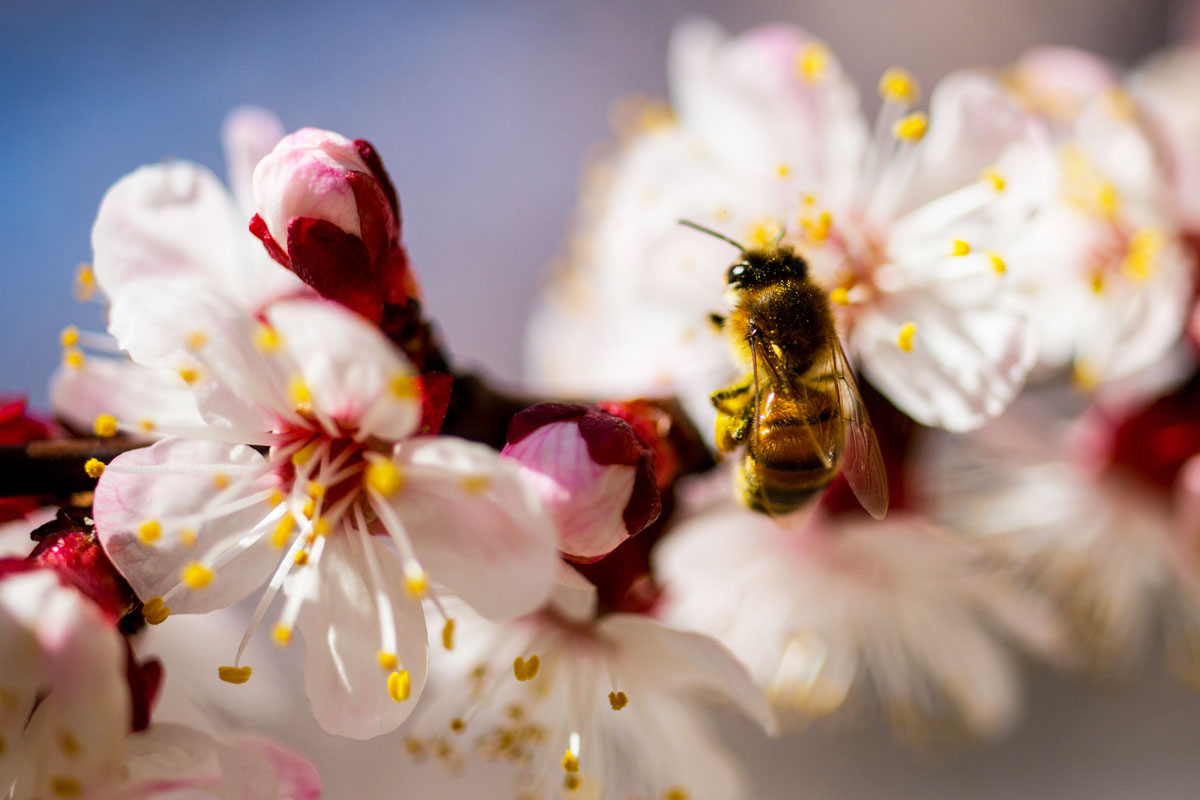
(328, 211)
(590, 471)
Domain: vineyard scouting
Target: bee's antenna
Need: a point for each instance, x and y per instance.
(687, 223)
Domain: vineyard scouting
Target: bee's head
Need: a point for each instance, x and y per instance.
(766, 266)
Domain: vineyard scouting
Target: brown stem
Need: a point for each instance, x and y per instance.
(55, 466)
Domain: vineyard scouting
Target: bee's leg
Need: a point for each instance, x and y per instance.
(717, 320)
(733, 399)
(735, 412)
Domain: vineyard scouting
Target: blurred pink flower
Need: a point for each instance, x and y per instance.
(1105, 266)
(842, 612)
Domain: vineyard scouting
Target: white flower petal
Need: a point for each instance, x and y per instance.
(127, 391)
(160, 323)
(248, 135)
(172, 484)
(476, 527)
(354, 374)
(674, 659)
(966, 364)
(346, 685)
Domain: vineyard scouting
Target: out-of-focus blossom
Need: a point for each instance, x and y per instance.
(201, 519)
(169, 761)
(845, 612)
(587, 707)
(1105, 266)
(590, 471)
(1168, 88)
(328, 211)
(1088, 517)
(64, 702)
(908, 226)
(75, 708)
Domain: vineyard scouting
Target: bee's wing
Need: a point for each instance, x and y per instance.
(862, 463)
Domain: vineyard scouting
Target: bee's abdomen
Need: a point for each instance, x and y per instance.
(777, 489)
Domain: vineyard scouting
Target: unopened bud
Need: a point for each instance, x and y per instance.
(328, 211)
(591, 472)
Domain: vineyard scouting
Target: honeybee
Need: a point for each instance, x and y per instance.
(798, 411)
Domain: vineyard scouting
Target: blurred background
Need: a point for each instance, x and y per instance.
(484, 113)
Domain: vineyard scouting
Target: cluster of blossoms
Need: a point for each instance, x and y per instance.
(553, 586)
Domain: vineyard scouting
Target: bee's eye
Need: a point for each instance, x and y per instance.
(736, 272)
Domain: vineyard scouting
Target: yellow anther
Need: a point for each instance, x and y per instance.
(812, 62)
(1097, 283)
(676, 793)
(818, 229)
(995, 177)
(764, 232)
(315, 489)
(85, 282)
(959, 248)
(94, 467)
(783, 170)
(321, 526)
(1120, 105)
(74, 358)
(617, 700)
(1086, 375)
(301, 558)
(912, 127)
(526, 669)
(1141, 256)
(69, 336)
(283, 531)
(65, 787)
(808, 199)
(266, 339)
(189, 375)
(236, 675)
(146, 425)
(997, 262)
(69, 744)
(417, 583)
(458, 725)
(275, 498)
(196, 340)
(571, 782)
(388, 660)
(1107, 199)
(899, 86)
(298, 392)
(384, 477)
(281, 634)
(105, 425)
(570, 762)
(399, 685)
(302, 456)
(904, 339)
(154, 611)
(187, 537)
(448, 634)
(840, 296)
(415, 747)
(149, 531)
(220, 480)
(197, 575)
(404, 387)
(475, 484)
(309, 508)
